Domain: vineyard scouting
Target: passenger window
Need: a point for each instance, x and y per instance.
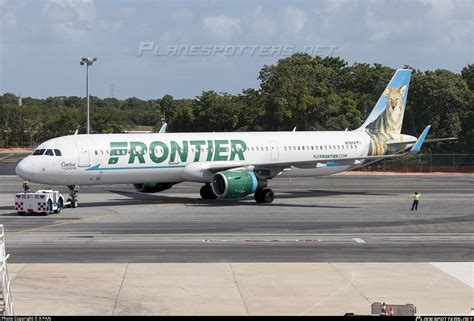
(38, 152)
(57, 152)
(95, 152)
(266, 148)
(49, 152)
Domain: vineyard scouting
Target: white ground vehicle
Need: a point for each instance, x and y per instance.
(42, 201)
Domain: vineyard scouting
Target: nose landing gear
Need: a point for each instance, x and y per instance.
(72, 200)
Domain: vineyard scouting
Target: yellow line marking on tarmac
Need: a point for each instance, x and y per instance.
(58, 224)
(5, 157)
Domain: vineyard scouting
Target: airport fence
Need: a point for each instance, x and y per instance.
(426, 163)
(6, 303)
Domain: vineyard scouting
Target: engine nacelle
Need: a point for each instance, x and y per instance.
(230, 184)
(152, 187)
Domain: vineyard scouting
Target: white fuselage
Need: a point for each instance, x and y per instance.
(166, 157)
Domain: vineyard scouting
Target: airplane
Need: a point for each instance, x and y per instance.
(229, 164)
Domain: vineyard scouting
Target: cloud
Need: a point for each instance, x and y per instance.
(276, 24)
(263, 23)
(183, 15)
(125, 12)
(221, 25)
(8, 13)
(70, 17)
(294, 19)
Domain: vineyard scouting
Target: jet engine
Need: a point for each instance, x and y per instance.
(231, 184)
(152, 187)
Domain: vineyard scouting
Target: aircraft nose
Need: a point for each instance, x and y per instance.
(25, 168)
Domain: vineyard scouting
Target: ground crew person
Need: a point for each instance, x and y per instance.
(26, 187)
(416, 198)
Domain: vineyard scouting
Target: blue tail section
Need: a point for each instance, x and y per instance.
(387, 115)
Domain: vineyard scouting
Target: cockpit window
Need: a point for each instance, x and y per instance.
(49, 152)
(38, 152)
(57, 152)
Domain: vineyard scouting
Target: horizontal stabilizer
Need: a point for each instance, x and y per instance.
(417, 147)
(438, 140)
(409, 143)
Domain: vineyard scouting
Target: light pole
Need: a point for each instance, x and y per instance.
(88, 62)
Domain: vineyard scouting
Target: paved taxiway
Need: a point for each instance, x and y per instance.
(346, 218)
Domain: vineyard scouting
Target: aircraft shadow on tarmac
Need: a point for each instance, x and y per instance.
(135, 198)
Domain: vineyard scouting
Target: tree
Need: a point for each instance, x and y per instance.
(311, 93)
(467, 74)
(440, 98)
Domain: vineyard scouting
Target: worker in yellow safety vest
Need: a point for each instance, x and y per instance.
(416, 199)
(26, 187)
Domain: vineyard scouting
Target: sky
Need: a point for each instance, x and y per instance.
(148, 49)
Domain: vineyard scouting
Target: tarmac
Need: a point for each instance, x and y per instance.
(331, 219)
(326, 245)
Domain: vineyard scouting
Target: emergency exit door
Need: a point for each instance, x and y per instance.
(83, 151)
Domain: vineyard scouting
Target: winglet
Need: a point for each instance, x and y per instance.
(163, 128)
(417, 147)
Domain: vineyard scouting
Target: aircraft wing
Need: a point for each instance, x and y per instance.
(276, 167)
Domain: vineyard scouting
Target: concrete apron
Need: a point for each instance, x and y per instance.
(238, 288)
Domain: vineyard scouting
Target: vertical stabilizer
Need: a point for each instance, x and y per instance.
(387, 115)
(384, 123)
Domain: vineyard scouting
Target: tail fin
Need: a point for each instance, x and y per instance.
(387, 115)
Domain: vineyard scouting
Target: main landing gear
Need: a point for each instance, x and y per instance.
(264, 195)
(207, 193)
(72, 200)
